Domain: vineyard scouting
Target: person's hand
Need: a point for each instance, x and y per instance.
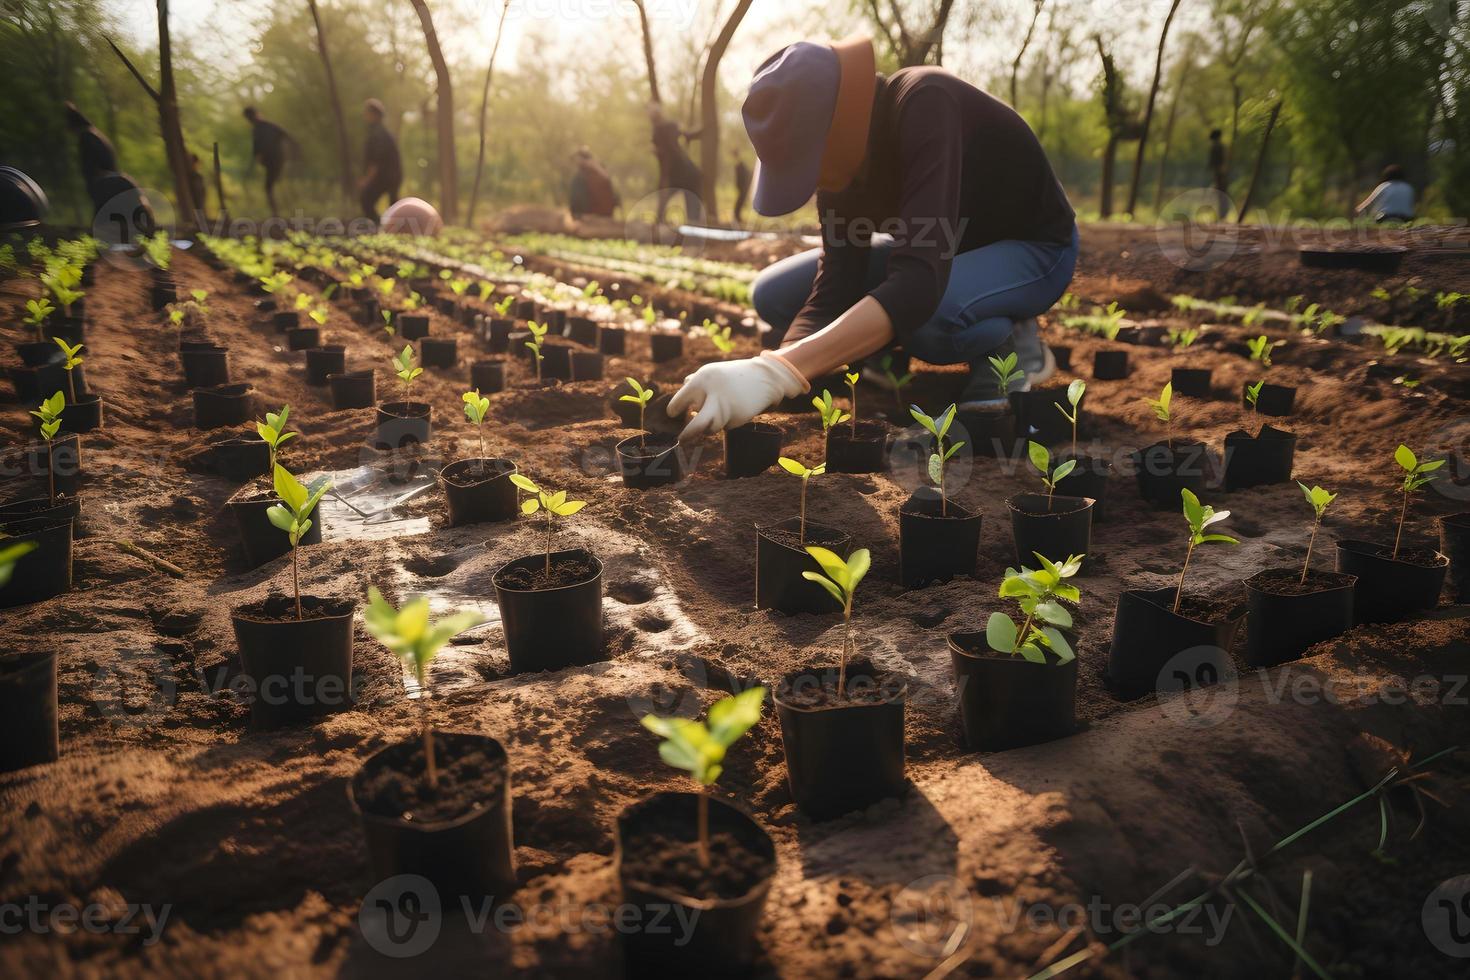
(731, 393)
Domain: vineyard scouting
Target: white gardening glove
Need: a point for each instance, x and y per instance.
(730, 393)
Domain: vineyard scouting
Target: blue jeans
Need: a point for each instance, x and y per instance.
(989, 289)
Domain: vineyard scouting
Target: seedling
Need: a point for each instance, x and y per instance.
(538, 334)
(406, 369)
(1253, 394)
(938, 428)
(554, 504)
(293, 515)
(387, 316)
(1160, 406)
(832, 415)
(1260, 348)
(840, 579)
(1006, 373)
(408, 633)
(61, 281)
(1417, 476)
(797, 469)
(852, 378)
(1318, 499)
(1075, 391)
(273, 431)
(720, 337)
(1039, 594)
(1200, 517)
(459, 287)
(640, 397)
(319, 315)
(72, 360)
(1041, 459)
(1182, 339)
(476, 407)
(700, 750)
(9, 555)
(484, 289)
(50, 415)
(899, 382)
(502, 308)
(37, 312)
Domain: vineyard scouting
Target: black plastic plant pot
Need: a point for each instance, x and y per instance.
(1163, 471)
(44, 572)
(1063, 354)
(479, 491)
(780, 558)
(654, 856)
(627, 412)
(37, 383)
(353, 389)
(1454, 543)
(612, 340)
(402, 424)
(665, 346)
(161, 296)
(1089, 478)
(42, 508)
(72, 329)
(261, 539)
(1110, 365)
(555, 321)
(1037, 417)
(583, 331)
(412, 326)
(286, 320)
(239, 458)
(1191, 382)
(936, 541)
(751, 449)
(1274, 400)
(556, 361)
(462, 841)
(867, 452)
(650, 460)
(487, 377)
(323, 361)
(1055, 528)
(1149, 636)
(84, 414)
(586, 365)
(556, 622)
(223, 405)
(206, 365)
(1287, 616)
(526, 309)
(367, 313)
(842, 754)
(1259, 461)
(295, 669)
(29, 732)
(992, 431)
(303, 338)
(38, 352)
(58, 463)
(497, 334)
(1007, 701)
(439, 352)
(1390, 589)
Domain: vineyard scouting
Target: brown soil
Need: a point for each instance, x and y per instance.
(1422, 557)
(163, 794)
(1288, 581)
(471, 776)
(653, 446)
(281, 608)
(816, 535)
(665, 854)
(817, 689)
(1210, 609)
(483, 472)
(564, 572)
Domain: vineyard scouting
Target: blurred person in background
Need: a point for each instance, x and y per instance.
(677, 173)
(196, 183)
(98, 158)
(382, 165)
(1391, 200)
(742, 184)
(592, 191)
(268, 148)
(1219, 163)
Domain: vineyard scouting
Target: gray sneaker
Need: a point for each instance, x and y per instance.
(1033, 357)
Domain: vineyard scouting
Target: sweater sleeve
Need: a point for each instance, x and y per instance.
(841, 270)
(928, 227)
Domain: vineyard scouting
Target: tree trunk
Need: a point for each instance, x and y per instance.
(344, 153)
(444, 116)
(1148, 112)
(168, 119)
(709, 140)
(469, 215)
(1021, 54)
(1105, 193)
(1169, 128)
(648, 52)
(219, 190)
(917, 49)
(1260, 163)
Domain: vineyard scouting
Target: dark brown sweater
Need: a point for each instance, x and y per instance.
(949, 169)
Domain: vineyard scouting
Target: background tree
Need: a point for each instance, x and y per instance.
(344, 154)
(444, 117)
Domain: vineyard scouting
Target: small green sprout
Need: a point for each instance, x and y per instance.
(1254, 316)
(538, 334)
(1200, 517)
(49, 413)
(899, 382)
(798, 470)
(1160, 405)
(939, 429)
(832, 415)
(1260, 348)
(1075, 391)
(484, 289)
(1039, 594)
(840, 579)
(319, 315)
(554, 504)
(459, 287)
(719, 336)
(1294, 303)
(9, 555)
(406, 369)
(1417, 476)
(1041, 459)
(293, 515)
(71, 351)
(650, 315)
(1318, 499)
(640, 397)
(476, 407)
(1006, 373)
(700, 750)
(273, 431)
(502, 308)
(409, 634)
(852, 378)
(387, 316)
(37, 312)
(1183, 338)
(1253, 394)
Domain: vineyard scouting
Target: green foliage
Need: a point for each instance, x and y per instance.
(832, 415)
(552, 504)
(699, 749)
(538, 334)
(719, 336)
(840, 578)
(476, 406)
(71, 352)
(1075, 391)
(1260, 348)
(407, 371)
(409, 633)
(1182, 338)
(1006, 372)
(1200, 518)
(1039, 594)
(37, 312)
(49, 413)
(273, 431)
(1161, 404)
(1417, 475)
(293, 513)
(1041, 459)
(640, 397)
(1253, 393)
(1317, 498)
(939, 429)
